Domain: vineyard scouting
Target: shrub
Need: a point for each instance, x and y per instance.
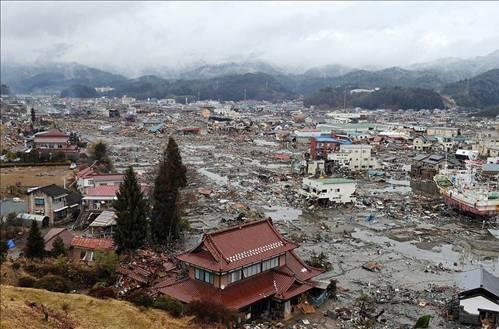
(175, 308)
(207, 312)
(52, 283)
(26, 282)
(102, 293)
(65, 307)
(106, 262)
(140, 298)
(58, 247)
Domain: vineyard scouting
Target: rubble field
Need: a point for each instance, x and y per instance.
(401, 247)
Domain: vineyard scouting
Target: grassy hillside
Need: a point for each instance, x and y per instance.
(21, 308)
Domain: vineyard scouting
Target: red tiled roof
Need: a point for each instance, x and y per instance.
(295, 290)
(107, 177)
(102, 190)
(238, 246)
(92, 243)
(52, 133)
(240, 294)
(84, 173)
(297, 267)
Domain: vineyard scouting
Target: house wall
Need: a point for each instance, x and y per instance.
(75, 254)
(340, 193)
(222, 280)
(47, 209)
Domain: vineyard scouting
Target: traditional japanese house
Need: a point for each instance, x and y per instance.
(250, 268)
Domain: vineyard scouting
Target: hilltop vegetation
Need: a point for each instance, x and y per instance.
(387, 98)
(258, 86)
(260, 81)
(79, 91)
(4, 89)
(21, 309)
(53, 78)
(488, 112)
(480, 91)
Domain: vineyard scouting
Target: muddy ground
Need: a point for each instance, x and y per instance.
(420, 245)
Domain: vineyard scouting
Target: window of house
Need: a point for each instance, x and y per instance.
(39, 202)
(270, 263)
(203, 275)
(235, 276)
(252, 270)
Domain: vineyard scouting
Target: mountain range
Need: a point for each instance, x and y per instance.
(253, 80)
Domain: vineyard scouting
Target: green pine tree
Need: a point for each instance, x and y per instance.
(131, 214)
(58, 247)
(33, 115)
(35, 247)
(167, 224)
(177, 169)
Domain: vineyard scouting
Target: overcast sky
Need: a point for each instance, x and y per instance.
(129, 35)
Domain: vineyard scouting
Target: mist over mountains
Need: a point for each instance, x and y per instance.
(257, 80)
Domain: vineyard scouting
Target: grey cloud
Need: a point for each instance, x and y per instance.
(134, 35)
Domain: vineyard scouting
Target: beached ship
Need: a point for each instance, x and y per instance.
(460, 191)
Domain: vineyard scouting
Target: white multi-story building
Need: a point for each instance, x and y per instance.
(487, 143)
(355, 157)
(338, 190)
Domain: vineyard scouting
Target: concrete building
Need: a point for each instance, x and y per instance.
(355, 156)
(443, 131)
(487, 143)
(54, 202)
(337, 190)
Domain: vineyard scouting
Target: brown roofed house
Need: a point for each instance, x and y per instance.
(84, 248)
(250, 268)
